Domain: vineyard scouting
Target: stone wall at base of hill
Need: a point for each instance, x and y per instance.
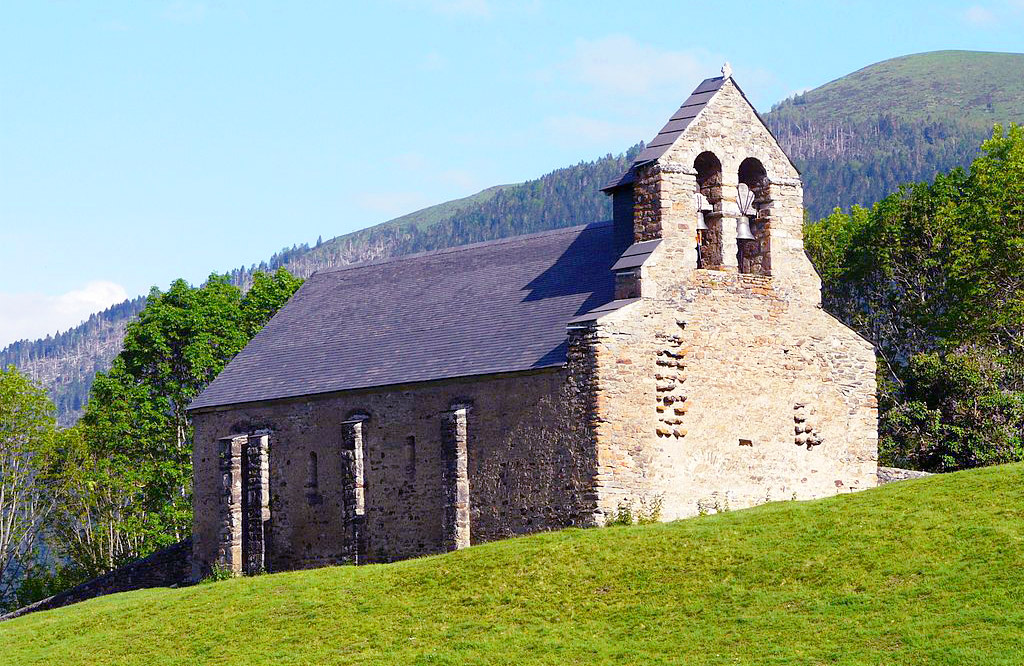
(890, 474)
(165, 568)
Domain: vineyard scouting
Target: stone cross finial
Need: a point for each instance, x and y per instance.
(727, 70)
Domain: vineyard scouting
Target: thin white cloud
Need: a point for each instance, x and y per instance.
(389, 205)
(978, 15)
(464, 180)
(432, 62)
(28, 315)
(116, 26)
(411, 161)
(573, 129)
(624, 79)
(432, 176)
(620, 65)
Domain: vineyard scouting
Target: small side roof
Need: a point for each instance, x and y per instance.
(599, 312)
(636, 254)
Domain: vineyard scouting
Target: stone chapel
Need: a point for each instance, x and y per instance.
(676, 354)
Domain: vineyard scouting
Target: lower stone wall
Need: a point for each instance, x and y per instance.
(164, 568)
(528, 461)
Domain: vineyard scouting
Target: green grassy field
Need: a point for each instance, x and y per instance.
(921, 572)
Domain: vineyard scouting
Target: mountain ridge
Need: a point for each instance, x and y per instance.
(858, 137)
(495, 212)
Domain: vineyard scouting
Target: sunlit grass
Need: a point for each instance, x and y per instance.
(921, 572)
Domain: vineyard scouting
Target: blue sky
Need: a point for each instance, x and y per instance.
(145, 141)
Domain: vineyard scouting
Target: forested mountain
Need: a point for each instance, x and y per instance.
(903, 120)
(855, 140)
(563, 198)
(67, 362)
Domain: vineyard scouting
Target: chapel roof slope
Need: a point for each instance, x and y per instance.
(494, 307)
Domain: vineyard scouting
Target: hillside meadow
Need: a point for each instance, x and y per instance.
(920, 572)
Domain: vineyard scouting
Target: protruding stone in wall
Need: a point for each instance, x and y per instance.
(805, 426)
(256, 503)
(353, 490)
(229, 547)
(454, 438)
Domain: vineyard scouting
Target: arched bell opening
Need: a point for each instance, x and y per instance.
(709, 210)
(753, 226)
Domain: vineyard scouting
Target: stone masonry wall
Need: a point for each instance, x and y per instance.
(701, 400)
(529, 467)
(719, 388)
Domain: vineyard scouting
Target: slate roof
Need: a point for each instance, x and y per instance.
(680, 120)
(636, 254)
(494, 307)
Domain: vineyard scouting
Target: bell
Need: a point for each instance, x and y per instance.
(743, 228)
(701, 224)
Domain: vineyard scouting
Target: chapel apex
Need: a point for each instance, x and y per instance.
(717, 188)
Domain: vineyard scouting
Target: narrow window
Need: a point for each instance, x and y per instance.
(709, 232)
(410, 457)
(312, 475)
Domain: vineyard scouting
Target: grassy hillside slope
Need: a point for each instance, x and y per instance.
(856, 139)
(921, 572)
(973, 86)
(438, 213)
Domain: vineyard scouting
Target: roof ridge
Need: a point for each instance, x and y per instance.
(462, 248)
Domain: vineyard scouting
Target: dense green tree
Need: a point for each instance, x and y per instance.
(934, 276)
(268, 293)
(137, 411)
(127, 474)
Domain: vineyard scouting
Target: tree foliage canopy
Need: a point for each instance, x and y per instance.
(124, 474)
(934, 276)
